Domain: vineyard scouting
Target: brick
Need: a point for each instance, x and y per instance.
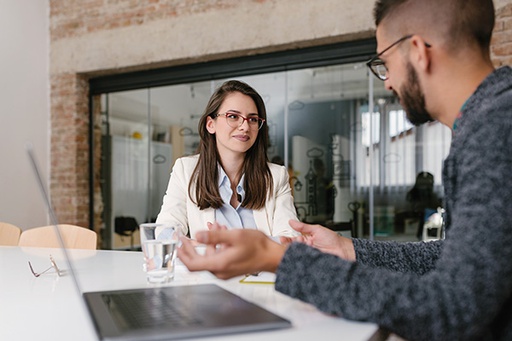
(503, 50)
(504, 12)
(501, 47)
(501, 38)
(507, 24)
(69, 147)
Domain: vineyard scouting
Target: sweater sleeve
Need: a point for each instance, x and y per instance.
(415, 257)
(454, 302)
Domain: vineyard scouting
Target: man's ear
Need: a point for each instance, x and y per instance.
(210, 125)
(420, 53)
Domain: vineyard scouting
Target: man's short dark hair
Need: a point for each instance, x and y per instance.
(461, 21)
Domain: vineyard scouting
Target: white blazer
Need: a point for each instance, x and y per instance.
(178, 207)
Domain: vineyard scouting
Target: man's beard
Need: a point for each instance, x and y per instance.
(413, 99)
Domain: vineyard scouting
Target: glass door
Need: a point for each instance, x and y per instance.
(126, 166)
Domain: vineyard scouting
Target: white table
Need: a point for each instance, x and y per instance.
(50, 308)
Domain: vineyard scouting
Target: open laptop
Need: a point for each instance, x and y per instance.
(165, 313)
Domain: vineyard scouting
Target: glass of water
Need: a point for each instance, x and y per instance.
(159, 243)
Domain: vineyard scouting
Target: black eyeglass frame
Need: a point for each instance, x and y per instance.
(261, 121)
(376, 62)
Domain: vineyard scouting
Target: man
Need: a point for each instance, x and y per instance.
(434, 55)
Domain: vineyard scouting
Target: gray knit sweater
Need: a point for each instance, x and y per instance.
(456, 289)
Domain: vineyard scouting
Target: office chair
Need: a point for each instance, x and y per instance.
(74, 237)
(9, 234)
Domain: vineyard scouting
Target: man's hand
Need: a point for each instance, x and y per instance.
(240, 252)
(323, 239)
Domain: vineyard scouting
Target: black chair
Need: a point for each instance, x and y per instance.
(423, 198)
(126, 226)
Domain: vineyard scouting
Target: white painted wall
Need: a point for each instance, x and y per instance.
(24, 109)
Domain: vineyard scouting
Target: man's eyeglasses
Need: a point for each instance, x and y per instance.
(378, 67)
(235, 120)
(52, 266)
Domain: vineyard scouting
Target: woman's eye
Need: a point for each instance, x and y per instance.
(232, 116)
(253, 120)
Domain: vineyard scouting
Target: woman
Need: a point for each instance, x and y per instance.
(230, 180)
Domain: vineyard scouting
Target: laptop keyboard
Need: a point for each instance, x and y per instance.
(150, 309)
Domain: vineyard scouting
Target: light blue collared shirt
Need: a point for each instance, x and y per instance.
(238, 217)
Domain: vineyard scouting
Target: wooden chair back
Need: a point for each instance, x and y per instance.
(74, 237)
(9, 234)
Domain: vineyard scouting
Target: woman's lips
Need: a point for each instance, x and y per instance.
(243, 138)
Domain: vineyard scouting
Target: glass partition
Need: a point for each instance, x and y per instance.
(336, 151)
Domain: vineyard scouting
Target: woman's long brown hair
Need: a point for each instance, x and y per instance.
(258, 179)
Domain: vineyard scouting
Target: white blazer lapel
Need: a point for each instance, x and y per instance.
(197, 219)
(208, 216)
(261, 219)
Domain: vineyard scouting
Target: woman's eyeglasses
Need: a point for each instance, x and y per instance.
(53, 266)
(235, 120)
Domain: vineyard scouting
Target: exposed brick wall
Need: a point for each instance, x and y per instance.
(69, 19)
(69, 179)
(72, 18)
(502, 37)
